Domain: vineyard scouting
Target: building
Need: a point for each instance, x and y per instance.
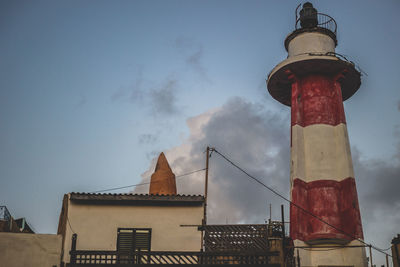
(161, 228)
(9, 224)
(325, 221)
(20, 246)
(132, 222)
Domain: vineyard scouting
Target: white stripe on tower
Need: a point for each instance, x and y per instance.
(320, 152)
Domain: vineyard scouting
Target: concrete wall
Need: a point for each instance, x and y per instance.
(36, 250)
(97, 226)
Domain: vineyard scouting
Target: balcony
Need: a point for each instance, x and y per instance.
(241, 244)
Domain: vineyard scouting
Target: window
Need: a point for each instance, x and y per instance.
(133, 239)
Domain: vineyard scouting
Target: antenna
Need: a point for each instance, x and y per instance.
(270, 212)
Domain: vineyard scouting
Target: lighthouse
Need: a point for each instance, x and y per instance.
(314, 81)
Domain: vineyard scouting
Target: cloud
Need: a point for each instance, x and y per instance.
(134, 92)
(147, 138)
(160, 100)
(253, 137)
(378, 183)
(193, 54)
(163, 99)
(258, 140)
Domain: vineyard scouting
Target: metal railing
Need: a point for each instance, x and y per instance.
(324, 21)
(86, 257)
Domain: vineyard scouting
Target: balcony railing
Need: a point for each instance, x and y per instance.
(324, 21)
(113, 258)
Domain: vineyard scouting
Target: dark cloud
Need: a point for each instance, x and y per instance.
(134, 92)
(378, 184)
(398, 105)
(258, 140)
(82, 101)
(193, 54)
(251, 136)
(147, 138)
(163, 99)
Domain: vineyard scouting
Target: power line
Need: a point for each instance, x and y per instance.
(132, 185)
(297, 206)
(70, 225)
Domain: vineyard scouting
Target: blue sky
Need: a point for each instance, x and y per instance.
(91, 91)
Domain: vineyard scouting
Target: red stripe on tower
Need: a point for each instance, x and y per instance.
(317, 99)
(334, 202)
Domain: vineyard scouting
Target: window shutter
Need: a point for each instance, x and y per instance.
(142, 240)
(125, 240)
(133, 239)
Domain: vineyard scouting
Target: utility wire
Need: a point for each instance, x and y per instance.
(70, 225)
(297, 206)
(132, 185)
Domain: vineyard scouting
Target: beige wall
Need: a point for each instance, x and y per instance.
(35, 250)
(97, 226)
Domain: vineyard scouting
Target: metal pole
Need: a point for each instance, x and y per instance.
(387, 260)
(370, 255)
(283, 233)
(283, 221)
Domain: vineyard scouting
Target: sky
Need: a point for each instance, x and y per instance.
(92, 91)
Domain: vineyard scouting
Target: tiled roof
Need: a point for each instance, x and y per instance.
(137, 199)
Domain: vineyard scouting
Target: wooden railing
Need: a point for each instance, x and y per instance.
(113, 258)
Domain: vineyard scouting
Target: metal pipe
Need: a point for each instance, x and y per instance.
(353, 246)
(298, 259)
(73, 249)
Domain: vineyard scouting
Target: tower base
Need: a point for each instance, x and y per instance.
(351, 254)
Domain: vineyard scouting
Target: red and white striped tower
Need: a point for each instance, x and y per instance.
(315, 82)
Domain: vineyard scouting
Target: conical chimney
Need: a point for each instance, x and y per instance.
(163, 179)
